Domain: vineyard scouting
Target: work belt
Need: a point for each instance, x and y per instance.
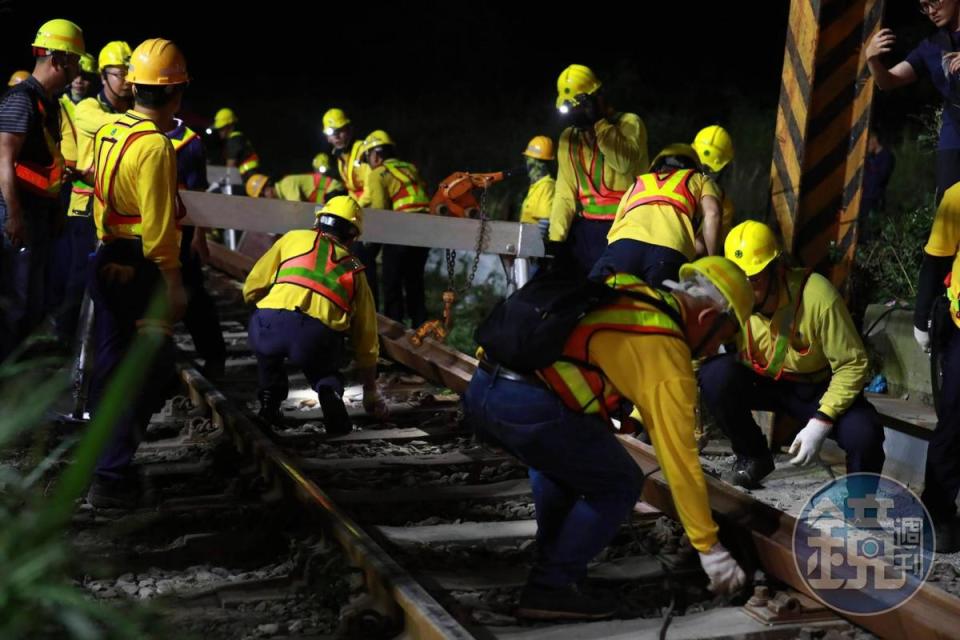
(499, 371)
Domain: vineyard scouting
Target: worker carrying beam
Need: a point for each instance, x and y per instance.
(599, 156)
(714, 147)
(31, 173)
(396, 185)
(557, 422)
(537, 204)
(298, 187)
(801, 356)
(655, 228)
(238, 151)
(136, 209)
(311, 293)
(941, 262)
(352, 170)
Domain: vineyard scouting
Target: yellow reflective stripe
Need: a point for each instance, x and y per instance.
(128, 230)
(578, 386)
(629, 318)
(250, 165)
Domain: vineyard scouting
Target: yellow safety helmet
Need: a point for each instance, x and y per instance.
(17, 77)
(378, 138)
(727, 277)
(224, 118)
(88, 64)
(157, 62)
(255, 184)
(321, 162)
(60, 35)
(677, 150)
(344, 208)
(714, 146)
(752, 246)
(114, 54)
(575, 80)
(540, 147)
(334, 119)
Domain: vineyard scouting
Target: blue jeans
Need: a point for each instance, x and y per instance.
(731, 391)
(650, 262)
(584, 483)
(278, 335)
(74, 250)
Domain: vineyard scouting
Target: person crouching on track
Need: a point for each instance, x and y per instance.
(801, 355)
(584, 483)
(310, 293)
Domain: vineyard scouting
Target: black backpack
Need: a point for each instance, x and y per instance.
(528, 330)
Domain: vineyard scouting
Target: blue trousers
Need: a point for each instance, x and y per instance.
(118, 307)
(731, 391)
(278, 335)
(23, 274)
(584, 483)
(943, 453)
(74, 250)
(650, 262)
(587, 241)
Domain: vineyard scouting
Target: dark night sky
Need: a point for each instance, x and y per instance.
(461, 85)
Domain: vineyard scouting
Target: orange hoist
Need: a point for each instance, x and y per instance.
(457, 196)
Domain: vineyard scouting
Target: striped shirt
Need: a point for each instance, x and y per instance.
(19, 114)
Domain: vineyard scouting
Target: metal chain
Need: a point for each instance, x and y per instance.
(451, 254)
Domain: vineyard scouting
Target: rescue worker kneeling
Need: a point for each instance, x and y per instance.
(558, 423)
(801, 355)
(310, 293)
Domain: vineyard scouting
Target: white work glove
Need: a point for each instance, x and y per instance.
(726, 576)
(374, 403)
(807, 444)
(923, 339)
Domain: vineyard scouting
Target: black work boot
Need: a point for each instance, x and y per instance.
(335, 417)
(270, 407)
(114, 494)
(947, 536)
(748, 472)
(564, 603)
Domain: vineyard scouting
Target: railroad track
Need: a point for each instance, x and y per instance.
(442, 528)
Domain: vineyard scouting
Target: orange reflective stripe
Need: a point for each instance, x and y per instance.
(671, 188)
(597, 200)
(249, 163)
(37, 179)
(321, 187)
(583, 387)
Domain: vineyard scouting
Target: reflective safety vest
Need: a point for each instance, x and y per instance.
(582, 386)
(250, 159)
(33, 177)
(188, 136)
(111, 143)
(670, 188)
(321, 187)
(320, 271)
(597, 200)
(953, 291)
(772, 364)
(412, 195)
(349, 166)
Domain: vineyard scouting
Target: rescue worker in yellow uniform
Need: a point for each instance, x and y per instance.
(396, 185)
(238, 151)
(599, 156)
(90, 114)
(352, 171)
(31, 173)
(654, 231)
(298, 187)
(539, 199)
(136, 209)
(941, 263)
(64, 280)
(714, 147)
(801, 356)
(311, 294)
(558, 423)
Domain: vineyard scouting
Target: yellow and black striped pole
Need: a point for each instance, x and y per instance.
(822, 126)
